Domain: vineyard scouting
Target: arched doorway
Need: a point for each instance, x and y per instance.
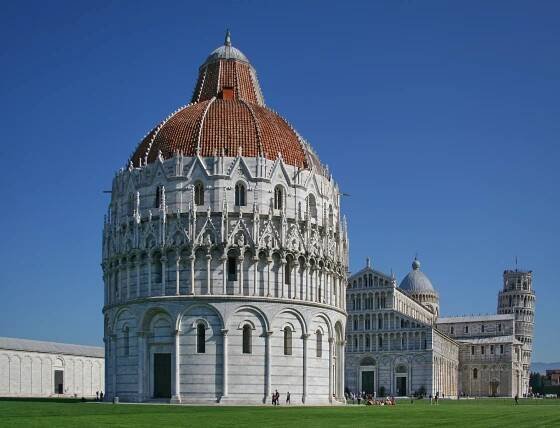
(367, 376)
(401, 380)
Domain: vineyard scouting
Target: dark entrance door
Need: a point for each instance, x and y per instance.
(367, 382)
(162, 375)
(58, 382)
(401, 386)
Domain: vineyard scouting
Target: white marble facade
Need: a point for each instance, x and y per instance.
(30, 368)
(225, 275)
(398, 345)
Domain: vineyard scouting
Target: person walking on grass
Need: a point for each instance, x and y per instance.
(516, 399)
(288, 398)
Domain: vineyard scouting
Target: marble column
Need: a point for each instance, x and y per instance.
(241, 259)
(163, 274)
(304, 338)
(140, 373)
(306, 280)
(224, 274)
(255, 275)
(128, 266)
(225, 363)
(208, 273)
(150, 263)
(176, 398)
(268, 262)
(268, 366)
(178, 274)
(282, 279)
(331, 340)
(138, 275)
(192, 259)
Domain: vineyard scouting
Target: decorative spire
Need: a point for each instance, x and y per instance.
(227, 41)
(415, 263)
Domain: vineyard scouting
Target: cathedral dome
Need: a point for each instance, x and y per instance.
(227, 117)
(416, 281)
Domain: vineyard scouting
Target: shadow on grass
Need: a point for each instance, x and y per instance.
(45, 399)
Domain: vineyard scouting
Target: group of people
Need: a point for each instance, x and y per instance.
(435, 399)
(370, 399)
(98, 395)
(276, 398)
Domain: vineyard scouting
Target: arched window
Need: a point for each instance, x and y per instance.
(200, 338)
(482, 328)
(331, 216)
(278, 197)
(475, 373)
(198, 194)
(319, 346)
(158, 197)
(311, 207)
(130, 206)
(287, 341)
(232, 268)
(380, 342)
(239, 195)
(288, 271)
(247, 339)
(126, 342)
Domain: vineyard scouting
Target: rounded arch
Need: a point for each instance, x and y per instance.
(119, 317)
(193, 307)
(255, 311)
(151, 313)
(296, 314)
(368, 361)
(240, 193)
(324, 317)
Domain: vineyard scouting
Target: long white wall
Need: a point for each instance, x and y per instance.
(31, 374)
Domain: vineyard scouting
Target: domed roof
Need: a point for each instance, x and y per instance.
(416, 281)
(227, 51)
(227, 116)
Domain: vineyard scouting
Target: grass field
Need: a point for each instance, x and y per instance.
(469, 413)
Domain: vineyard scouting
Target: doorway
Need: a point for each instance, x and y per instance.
(162, 375)
(368, 378)
(58, 382)
(401, 386)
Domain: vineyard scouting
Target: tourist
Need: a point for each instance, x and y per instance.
(96, 395)
(101, 396)
(437, 397)
(430, 398)
(516, 399)
(288, 398)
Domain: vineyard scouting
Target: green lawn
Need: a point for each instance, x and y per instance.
(471, 413)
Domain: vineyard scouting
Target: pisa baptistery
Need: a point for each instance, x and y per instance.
(224, 255)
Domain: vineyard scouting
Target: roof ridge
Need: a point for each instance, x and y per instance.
(201, 124)
(257, 127)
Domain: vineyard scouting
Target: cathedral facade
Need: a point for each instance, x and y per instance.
(224, 255)
(397, 343)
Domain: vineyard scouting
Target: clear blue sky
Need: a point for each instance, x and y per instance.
(441, 119)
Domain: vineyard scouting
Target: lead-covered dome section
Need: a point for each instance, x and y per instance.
(416, 281)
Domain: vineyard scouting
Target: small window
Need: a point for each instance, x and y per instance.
(380, 342)
(157, 202)
(319, 347)
(482, 328)
(466, 329)
(501, 349)
(472, 350)
(482, 350)
(288, 272)
(247, 339)
(499, 327)
(240, 195)
(287, 341)
(232, 268)
(198, 194)
(278, 198)
(492, 349)
(312, 207)
(475, 373)
(200, 339)
(331, 223)
(452, 330)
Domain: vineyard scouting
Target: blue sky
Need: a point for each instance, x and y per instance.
(440, 119)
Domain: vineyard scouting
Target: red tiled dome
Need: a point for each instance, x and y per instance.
(226, 115)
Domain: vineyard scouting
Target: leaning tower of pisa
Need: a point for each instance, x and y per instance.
(518, 298)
